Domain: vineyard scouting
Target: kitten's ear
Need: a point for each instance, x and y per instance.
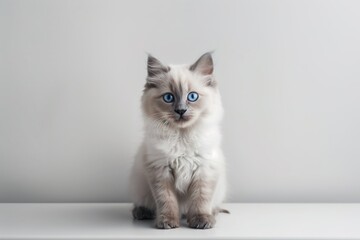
(204, 64)
(155, 67)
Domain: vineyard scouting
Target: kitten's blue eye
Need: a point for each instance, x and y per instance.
(193, 96)
(168, 97)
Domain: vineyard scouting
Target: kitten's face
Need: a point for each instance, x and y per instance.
(179, 95)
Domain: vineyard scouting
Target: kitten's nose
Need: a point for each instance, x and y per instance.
(180, 111)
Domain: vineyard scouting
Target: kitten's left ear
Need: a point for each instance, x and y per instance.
(155, 67)
(204, 64)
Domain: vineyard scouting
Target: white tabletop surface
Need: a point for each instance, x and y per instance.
(114, 221)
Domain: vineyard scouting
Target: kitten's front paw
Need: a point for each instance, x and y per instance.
(201, 221)
(166, 222)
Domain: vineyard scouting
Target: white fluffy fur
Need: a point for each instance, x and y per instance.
(188, 151)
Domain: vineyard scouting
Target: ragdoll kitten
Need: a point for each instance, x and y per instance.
(179, 169)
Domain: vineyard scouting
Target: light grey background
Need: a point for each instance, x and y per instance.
(72, 72)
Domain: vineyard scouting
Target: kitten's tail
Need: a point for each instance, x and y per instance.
(220, 210)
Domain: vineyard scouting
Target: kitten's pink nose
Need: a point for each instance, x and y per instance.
(180, 111)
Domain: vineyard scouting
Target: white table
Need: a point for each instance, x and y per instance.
(114, 221)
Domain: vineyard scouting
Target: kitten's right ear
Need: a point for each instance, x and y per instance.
(155, 67)
(204, 65)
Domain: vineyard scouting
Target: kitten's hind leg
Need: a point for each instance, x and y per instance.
(143, 213)
(144, 204)
(144, 207)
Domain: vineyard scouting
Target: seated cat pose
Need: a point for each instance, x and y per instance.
(179, 169)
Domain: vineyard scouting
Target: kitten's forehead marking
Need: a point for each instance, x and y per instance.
(178, 88)
(179, 83)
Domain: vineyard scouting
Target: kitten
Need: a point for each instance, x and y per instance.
(179, 169)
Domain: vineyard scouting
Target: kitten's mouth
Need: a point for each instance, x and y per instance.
(181, 119)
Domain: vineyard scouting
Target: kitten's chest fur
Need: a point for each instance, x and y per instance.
(184, 160)
(182, 154)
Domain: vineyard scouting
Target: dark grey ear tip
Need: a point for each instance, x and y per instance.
(151, 58)
(207, 56)
(209, 53)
